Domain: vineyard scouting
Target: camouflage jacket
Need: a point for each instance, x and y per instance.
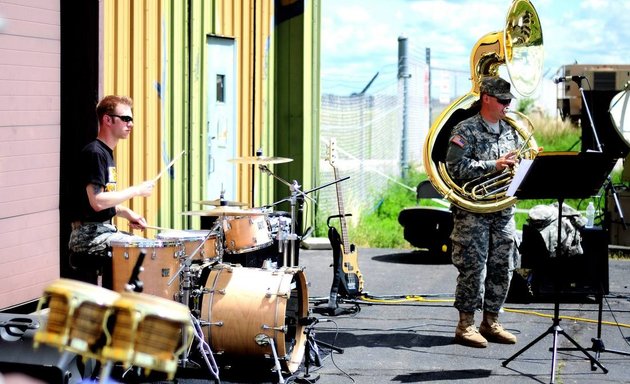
(473, 148)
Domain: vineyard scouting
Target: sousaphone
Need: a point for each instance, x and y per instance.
(520, 47)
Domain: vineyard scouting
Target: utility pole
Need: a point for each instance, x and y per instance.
(403, 73)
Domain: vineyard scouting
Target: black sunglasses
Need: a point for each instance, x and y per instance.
(503, 101)
(126, 119)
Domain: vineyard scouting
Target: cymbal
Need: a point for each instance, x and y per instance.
(260, 160)
(225, 211)
(219, 203)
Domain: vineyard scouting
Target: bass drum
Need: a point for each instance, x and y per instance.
(249, 308)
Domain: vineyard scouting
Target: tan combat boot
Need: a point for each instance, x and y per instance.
(493, 331)
(466, 333)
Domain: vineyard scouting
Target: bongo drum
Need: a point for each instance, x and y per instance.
(76, 318)
(148, 331)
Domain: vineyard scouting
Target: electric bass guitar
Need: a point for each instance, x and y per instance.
(345, 256)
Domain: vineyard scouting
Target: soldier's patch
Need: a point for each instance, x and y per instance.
(458, 140)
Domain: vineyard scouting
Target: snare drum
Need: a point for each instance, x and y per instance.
(249, 308)
(148, 331)
(245, 234)
(77, 312)
(161, 263)
(191, 239)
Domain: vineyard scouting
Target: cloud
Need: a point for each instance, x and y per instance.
(359, 37)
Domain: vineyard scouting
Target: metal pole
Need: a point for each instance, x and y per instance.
(403, 73)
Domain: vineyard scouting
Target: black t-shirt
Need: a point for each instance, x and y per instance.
(96, 166)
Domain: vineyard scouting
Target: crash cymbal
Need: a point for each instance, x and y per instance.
(260, 160)
(225, 211)
(222, 203)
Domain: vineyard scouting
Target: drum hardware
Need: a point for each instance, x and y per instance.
(292, 237)
(204, 348)
(282, 329)
(135, 284)
(264, 340)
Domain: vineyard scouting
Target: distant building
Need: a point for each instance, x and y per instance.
(609, 78)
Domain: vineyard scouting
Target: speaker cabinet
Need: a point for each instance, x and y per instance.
(570, 277)
(44, 363)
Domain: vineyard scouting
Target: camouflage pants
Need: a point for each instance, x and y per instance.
(485, 254)
(94, 238)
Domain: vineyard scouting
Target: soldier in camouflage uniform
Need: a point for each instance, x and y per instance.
(484, 244)
(97, 199)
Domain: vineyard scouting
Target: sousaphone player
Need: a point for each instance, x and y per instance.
(469, 155)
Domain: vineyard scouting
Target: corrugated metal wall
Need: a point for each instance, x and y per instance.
(131, 66)
(157, 55)
(29, 149)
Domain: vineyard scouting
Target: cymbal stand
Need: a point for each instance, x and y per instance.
(295, 192)
(288, 260)
(186, 286)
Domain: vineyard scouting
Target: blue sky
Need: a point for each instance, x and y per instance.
(359, 37)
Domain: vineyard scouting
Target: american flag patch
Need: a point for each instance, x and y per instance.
(458, 140)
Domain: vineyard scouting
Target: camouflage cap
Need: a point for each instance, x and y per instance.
(497, 87)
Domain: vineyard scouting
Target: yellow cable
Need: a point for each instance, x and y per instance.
(415, 298)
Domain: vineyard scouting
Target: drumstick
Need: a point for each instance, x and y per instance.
(168, 166)
(157, 228)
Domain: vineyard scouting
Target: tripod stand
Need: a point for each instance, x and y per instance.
(312, 348)
(566, 184)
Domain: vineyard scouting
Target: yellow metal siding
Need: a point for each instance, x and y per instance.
(155, 52)
(131, 49)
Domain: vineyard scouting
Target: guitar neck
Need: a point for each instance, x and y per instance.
(342, 215)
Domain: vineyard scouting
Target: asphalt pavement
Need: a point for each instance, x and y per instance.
(401, 330)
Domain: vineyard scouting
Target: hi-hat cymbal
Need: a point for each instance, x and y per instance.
(225, 211)
(221, 203)
(260, 160)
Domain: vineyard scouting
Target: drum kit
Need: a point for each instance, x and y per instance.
(175, 292)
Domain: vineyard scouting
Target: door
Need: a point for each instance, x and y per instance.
(221, 124)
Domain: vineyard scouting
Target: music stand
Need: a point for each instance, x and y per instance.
(560, 175)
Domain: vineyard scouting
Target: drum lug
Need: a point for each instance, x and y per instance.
(282, 329)
(283, 295)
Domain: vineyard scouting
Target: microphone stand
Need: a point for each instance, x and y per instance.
(598, 344)
(294, 187)
(578, 81)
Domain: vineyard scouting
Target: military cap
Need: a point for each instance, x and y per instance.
(497, 87)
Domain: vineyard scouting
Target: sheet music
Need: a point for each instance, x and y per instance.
(521, 171)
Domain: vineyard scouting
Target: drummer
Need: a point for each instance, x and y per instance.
(97, 197)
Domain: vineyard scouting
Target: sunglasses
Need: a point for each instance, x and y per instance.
(126, 119)
(503, 101)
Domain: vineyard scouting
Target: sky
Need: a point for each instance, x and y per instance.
(360, 37)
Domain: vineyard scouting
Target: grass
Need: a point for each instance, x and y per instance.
(379, 228)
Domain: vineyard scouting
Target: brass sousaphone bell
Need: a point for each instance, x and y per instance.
(520, 47)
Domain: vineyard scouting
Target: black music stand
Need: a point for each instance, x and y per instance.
(560, 175)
